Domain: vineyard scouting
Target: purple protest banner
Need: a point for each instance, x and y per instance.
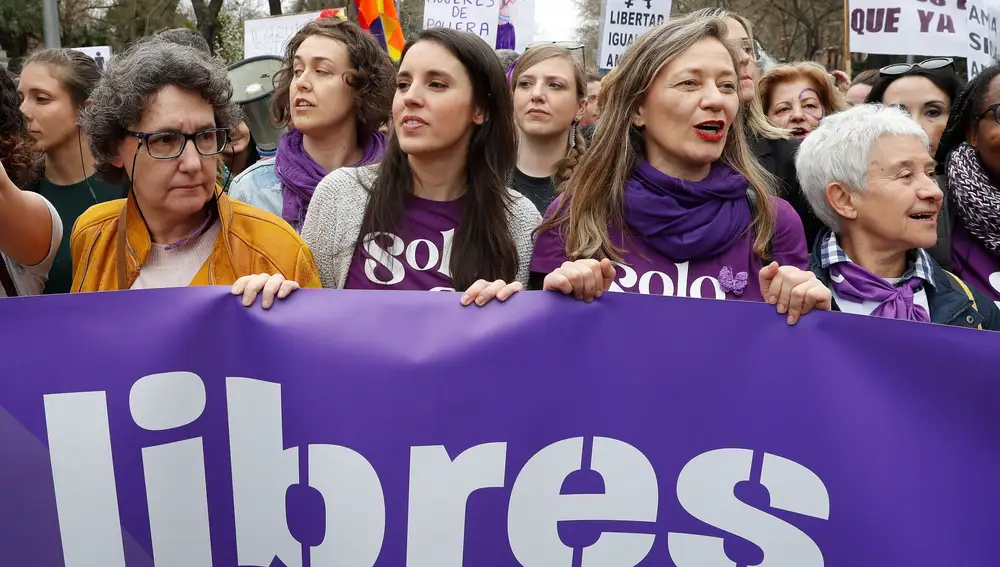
(398, 428)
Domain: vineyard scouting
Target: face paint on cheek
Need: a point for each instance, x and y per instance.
(804, 111)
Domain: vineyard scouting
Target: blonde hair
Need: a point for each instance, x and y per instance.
(594, 197)
(829, 96)
(756, 117)
(577, 143)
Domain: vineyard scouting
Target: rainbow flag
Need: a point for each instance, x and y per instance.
(379, 17)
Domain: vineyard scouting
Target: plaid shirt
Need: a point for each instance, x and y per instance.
(831, 253)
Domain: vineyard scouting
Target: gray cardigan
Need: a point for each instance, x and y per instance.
(337, 208)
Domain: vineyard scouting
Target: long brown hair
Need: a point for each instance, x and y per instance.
(371, 77)
(483, 247)
(593, 198)
(577, 144)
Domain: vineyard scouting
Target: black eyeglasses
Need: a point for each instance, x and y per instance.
(992, 109)
(931, 64)
(168, 145)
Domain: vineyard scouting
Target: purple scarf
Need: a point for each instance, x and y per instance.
(300, 174)
(687, 220)
(858, 284)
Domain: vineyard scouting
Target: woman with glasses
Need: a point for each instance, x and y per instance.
(160, 117)
(969, 155)
(926, 90)
(796, 97)
(773, 146)
(550, 97)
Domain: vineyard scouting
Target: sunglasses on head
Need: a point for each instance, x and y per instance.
(574, 47)
(931, 64)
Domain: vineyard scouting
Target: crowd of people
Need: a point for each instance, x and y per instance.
(686, 171)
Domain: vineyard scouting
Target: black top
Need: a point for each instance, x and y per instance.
(540, 190)
(778, 157)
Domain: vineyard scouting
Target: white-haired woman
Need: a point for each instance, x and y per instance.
(868, 174)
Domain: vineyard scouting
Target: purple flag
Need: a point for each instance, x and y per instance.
(398, 428)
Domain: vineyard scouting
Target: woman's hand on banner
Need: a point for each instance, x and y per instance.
(267, 285)
(482, 292)
(795, 292)
(583, 279)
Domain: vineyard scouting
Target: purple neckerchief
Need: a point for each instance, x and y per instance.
(300, 174)
(202, 229)
(856, 284)
(687, 220)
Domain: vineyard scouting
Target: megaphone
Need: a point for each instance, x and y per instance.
(253, 85)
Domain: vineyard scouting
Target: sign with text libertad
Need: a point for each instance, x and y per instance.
(178, 428)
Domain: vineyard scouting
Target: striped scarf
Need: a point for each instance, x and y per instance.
(975, 196)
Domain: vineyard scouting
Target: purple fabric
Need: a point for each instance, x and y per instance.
(408, 430)
(730, 273)
(974, 263)
(854, 283)
(300, 174)
(418, 258)
(687, 220)
(506, 39)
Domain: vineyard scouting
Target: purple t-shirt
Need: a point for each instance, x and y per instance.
(416, 259)
(974, 263)
(722, 276)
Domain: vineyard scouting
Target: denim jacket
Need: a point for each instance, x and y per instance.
(948, 303)
(260, 187)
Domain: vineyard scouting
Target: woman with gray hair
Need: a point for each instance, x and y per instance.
(160, 118)
(869, 176)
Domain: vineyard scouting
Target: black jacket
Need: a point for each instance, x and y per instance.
(778, 157)
(948, 303)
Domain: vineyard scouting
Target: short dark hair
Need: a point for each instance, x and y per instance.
(373, 77)
(867, 77)
(132, 80)
(185, 36)
(593, 77)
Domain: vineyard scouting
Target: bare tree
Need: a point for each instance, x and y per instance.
(208, 19)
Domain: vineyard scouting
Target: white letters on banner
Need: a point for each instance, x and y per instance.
(952, 28)
(624, 20)
(479, 17)
(264, 466)
(269, 36)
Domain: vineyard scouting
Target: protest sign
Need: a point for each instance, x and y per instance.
(624, 20)
(398, 428)
(100, 53)
(942, 28)
(269, 36)
(479, 17)
(982, 36)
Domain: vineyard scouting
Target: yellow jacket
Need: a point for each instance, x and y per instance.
(251, 241)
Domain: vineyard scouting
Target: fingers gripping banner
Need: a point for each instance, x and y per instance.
(356, 428)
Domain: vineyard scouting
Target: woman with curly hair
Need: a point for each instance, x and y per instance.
(160, 118)
(334, 90)
(30, 228)
(550, 97)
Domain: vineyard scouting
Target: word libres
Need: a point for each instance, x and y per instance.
(439, 488)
